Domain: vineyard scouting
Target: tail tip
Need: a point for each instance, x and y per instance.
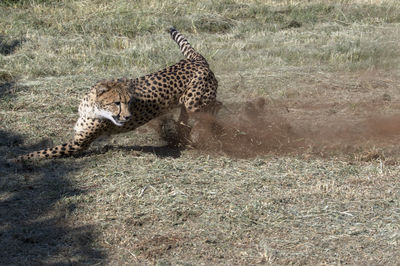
(171, 30)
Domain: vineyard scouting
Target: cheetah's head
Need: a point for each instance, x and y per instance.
(112, 102)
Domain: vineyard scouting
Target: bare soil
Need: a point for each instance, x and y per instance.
(359, 128)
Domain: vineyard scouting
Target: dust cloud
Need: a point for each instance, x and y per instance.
(249, 129)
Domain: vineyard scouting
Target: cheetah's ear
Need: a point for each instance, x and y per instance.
(100, 89)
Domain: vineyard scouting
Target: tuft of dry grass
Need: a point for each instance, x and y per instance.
(328, 73)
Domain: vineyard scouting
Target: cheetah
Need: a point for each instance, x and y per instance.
(121, 105)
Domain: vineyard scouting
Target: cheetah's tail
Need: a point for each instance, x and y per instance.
(66, 149)
(188, 51)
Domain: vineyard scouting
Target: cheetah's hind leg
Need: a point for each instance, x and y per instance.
(200, 128)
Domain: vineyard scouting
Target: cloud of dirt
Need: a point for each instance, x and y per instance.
(251, 129)
(246, 132)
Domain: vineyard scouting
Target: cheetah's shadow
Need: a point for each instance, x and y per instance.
(165, 151)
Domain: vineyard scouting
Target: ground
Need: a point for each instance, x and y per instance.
(299, 167)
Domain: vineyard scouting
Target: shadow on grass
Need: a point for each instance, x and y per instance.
(9, 90)
(8, 47)
(166, 151)
(161, 151)
(34, 227)
(5, 87)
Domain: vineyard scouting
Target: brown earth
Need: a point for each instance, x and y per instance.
(304, 127)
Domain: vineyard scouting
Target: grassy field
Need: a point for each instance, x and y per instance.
(305, 171)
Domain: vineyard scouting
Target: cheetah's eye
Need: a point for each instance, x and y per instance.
(117, 103)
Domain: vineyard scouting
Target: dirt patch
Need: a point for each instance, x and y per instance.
(254, 128)
(248, 131)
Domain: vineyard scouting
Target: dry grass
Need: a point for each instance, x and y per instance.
(309, 178)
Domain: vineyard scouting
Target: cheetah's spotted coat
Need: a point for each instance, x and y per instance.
(121, 105)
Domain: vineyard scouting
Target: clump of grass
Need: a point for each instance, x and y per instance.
(5, 77)
(211, 23)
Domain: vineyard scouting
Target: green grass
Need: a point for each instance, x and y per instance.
(325, 191)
